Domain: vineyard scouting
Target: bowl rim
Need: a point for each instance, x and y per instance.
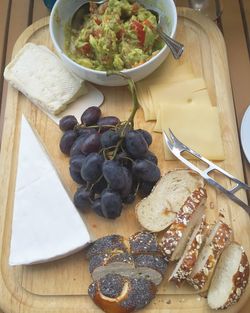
(103, 73)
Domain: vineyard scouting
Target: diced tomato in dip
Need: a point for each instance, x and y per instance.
(116, 35)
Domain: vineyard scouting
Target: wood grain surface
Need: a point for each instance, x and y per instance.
(235, 38)
(16, 16)
(61, 286)
(245, 11)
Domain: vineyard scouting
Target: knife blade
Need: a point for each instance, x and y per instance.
(178, 148)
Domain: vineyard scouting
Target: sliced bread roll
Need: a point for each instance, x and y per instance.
(218, 239)
(158, 210)
(117, 294)
(230, 277)
(186, 263)
(150, 267)
(143, 242)
(174, 240)
(107, 245)
(119, 263)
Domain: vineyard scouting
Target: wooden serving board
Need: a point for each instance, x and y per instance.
(61, 286)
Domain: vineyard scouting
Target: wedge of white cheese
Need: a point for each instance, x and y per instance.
(41, 76)
(46, 225)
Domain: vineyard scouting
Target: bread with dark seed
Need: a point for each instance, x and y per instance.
(117, 294)
(230, 277)
(108, 244)
(151, 267)
(143, 242)
(102, 264)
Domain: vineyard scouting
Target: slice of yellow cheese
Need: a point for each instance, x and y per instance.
(143, 96)
(200, 98)
(197, 126)
(181, 93)
(168, 73)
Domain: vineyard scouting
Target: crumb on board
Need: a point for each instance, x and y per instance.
(211, 205)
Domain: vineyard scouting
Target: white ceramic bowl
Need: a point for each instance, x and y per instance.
(63, 11)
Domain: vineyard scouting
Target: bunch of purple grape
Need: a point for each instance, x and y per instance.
(109, 160)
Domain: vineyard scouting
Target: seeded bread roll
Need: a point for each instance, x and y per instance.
(143, 242)
(158, 211)
(117, 294)
(186, 263)
(219, 238)
(108, 244)
(175, 238)
(230, 278)
(150, 267)
(119, 263)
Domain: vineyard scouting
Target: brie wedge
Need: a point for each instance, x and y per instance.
(46, 225)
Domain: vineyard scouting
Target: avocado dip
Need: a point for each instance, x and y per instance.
(116, 35)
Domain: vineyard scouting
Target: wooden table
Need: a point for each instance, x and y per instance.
(16, 15)
(235, 26)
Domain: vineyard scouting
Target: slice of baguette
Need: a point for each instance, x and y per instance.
(175, 239)
(158, 210)
(41, 76)
(186, 263)
(230, 278)
(218, 239)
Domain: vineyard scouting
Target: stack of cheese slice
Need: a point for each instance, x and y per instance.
(181, 102)
(168, 73)
(46, 225)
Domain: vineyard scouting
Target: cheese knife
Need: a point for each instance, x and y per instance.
(178, 148)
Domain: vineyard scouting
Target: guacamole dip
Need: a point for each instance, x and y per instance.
(116, 35)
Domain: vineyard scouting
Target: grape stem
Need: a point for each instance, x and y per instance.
(132, 89)
(127, 158)
(97, 181)
(117, 147)
(96, 126)
(104, 151)
(136, 105)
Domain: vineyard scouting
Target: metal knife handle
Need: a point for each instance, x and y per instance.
(177, 148)
(205, 174)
